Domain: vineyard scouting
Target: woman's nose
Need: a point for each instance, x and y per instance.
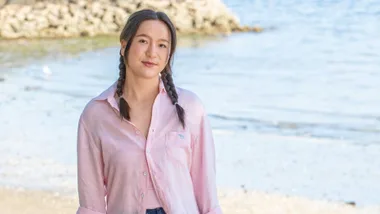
(151, 52)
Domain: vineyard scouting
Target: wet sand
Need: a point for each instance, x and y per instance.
(14, 201)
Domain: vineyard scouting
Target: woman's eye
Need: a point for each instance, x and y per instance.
(163, 46)
(142, 41)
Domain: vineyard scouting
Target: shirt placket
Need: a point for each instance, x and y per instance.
(143, 173)
(152, 179)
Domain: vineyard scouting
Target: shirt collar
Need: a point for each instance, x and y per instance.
(109, 93)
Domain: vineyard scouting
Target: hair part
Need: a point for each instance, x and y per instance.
(127, 34)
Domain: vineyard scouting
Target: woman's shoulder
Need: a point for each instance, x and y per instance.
(90, 108)
(191, 102)
(94, 107)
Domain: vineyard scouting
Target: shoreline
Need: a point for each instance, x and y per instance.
(20, 201)
(18, 52)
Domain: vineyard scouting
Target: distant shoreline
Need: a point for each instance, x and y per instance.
(81, 18)
(21, 51)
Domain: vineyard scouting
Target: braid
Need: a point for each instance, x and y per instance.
(167, 79)
(123, 105)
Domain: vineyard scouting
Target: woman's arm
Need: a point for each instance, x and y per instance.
(203, 170)
(91, 187)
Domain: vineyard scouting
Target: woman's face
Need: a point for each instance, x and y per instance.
(149, 50)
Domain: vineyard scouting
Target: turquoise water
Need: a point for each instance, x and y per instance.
(295, 109)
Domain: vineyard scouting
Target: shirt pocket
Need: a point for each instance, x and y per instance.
(178, 147)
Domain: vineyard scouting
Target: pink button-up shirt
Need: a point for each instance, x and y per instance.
(118, 168)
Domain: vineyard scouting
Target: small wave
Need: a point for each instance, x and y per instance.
(317, 130)
(321, 113)
(298, 125)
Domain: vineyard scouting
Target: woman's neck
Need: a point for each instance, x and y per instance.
(140, 89)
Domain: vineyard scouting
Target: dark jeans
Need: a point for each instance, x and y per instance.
(155, 211)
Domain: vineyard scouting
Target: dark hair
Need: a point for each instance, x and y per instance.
(127, 34)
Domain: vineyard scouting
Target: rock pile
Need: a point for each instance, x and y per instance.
(107, 17)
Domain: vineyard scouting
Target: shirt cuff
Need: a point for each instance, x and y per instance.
(216, 210)
(82, 210)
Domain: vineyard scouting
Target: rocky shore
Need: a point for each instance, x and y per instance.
(60, 19)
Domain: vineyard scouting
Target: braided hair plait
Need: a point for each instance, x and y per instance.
(167, 79)
(123, 105)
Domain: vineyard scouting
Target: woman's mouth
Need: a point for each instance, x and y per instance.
(149, 64)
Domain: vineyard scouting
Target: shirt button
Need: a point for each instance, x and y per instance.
(142, 195)
(137, 132)
(144, 173)
(153, 130)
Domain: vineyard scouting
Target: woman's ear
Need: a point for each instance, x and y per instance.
(167, 58)
(123, 44)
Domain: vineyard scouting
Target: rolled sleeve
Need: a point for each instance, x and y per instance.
(82, 210)
(217, 210)
(91, 185)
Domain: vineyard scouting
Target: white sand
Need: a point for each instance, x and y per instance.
(233, 201)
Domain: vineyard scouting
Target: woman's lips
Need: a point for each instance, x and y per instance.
(149, 64)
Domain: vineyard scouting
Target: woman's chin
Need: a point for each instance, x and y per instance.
(148, 74)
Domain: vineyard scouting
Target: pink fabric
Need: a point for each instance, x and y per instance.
(119, 170)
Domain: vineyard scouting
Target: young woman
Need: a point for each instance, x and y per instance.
(145, 145)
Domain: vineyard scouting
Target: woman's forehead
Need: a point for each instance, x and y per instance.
(154, 29)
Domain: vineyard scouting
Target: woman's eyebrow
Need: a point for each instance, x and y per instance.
(144, 35)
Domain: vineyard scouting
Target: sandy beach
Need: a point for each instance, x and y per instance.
(14, 201)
